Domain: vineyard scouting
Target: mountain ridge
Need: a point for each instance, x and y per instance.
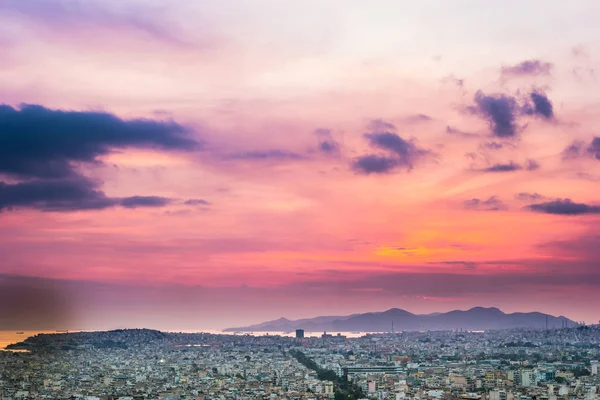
(475, 318)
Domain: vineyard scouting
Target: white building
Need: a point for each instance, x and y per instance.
(563, 391)
(527, 378)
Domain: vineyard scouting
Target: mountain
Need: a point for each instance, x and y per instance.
(285, 325)
(477, 318)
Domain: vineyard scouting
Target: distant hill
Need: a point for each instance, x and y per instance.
(477, 318)
(119, 338)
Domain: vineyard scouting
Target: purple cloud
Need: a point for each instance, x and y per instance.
(532, 165)
(262, 155)
(542, 106)
(374, 164)
(196, 202)
(71, 194)
(379, 125)
(528, 68)
(511, 166)
(578, 149)
(491, 204)
(401, 152)
(573, 151)
(594, 148)
(491, 146)
(405, 150)
(500, 111)
(564, 207)
(144, 201)
(327, 144)
(418, 118)
(529, 196)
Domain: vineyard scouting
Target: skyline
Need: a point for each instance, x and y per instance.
(203, 166)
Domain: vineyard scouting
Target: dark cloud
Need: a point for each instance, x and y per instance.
(196, 202)
(144, 201)
(528, 68)
(374, 164)
(491, 204)
(37, 142)
(40, 150)
(70, 194)
(542, 106)
(406, 151)
(531, 165)
(500, 111)
(400, 152)
(564, 207)
(511, 166)
(263, 155)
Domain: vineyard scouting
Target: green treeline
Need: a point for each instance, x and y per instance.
(343, 388)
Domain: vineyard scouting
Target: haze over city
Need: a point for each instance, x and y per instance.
(199, 165)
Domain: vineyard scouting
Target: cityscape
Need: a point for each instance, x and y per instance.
(515, 364)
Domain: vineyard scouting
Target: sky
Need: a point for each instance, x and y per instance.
(206, 164)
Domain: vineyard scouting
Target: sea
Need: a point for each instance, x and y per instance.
(11, 337)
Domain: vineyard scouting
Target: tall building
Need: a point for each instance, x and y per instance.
(299, 333)
(525, 378)
(595, 368)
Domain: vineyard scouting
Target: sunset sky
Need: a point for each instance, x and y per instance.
(205, 164)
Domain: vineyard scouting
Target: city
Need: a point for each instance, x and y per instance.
(514, 364)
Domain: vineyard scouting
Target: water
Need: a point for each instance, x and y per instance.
(293, 334)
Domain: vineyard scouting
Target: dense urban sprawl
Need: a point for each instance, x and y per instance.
(555, 364)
